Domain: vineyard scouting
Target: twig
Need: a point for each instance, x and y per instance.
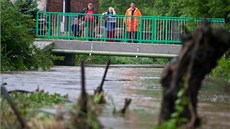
(125, 108)
(100, 88)
(20, 91)
(4, 92)
(191, 123)
(83, 92)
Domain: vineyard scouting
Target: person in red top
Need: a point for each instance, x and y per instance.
(91, 21)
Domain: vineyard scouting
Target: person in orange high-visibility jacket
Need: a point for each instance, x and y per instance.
(131, 21)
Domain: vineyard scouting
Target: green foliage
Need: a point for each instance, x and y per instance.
(28, 104)
(121, 6)
(120, 60)
(188, 8)
(180, 104)
(28, 7)
(99, 98)
(17, 49)
(223, 69)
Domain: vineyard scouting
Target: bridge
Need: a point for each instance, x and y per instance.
(157, 36)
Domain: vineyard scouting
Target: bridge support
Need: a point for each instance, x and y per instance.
(69, 59)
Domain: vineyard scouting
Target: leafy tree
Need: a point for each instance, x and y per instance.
(27, 7)
(188, 8)
(17, 49)
(121, 6)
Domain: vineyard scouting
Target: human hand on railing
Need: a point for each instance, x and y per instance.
(105, 17)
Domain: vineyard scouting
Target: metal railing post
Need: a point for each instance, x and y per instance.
(59, 25)
(154, 29)
(37, 20)
(139, 38)
(125, 27)
(69, 27)
(166, 30)
(87, 29)
(104, 30)
(49, 23)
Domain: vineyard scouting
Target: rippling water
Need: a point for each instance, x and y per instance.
(140, 84)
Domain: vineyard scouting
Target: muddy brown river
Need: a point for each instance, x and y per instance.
(140, 84)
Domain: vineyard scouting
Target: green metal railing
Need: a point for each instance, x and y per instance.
(151, 29)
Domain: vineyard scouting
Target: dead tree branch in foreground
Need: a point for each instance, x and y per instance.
(198, 56)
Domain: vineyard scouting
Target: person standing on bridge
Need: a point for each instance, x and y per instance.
(90, 20)
(131, 21)
(75, 27)
(110, 23)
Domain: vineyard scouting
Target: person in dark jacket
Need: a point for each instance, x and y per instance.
(90, 21)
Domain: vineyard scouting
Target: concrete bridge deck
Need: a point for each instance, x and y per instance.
(111, 48)
(68, 49)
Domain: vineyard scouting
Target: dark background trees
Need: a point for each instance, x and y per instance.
(188, 8)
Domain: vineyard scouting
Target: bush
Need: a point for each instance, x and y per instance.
(223, 69)
(120, 60)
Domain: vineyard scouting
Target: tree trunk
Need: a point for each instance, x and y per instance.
(198, 56)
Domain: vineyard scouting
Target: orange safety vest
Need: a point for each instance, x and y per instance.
(132, 20)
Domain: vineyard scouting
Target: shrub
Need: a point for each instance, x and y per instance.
(223, 69)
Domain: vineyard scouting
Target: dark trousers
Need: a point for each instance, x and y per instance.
(110, 34)
(75, 29)
(132, 36)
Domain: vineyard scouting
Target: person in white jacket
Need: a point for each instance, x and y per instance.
(110, 23)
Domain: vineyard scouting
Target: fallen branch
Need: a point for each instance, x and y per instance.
(4, 92)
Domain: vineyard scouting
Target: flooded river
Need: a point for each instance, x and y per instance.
(140, 84)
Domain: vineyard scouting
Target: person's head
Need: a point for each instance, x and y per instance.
(132, 5)
(110, 10)
(90, 6)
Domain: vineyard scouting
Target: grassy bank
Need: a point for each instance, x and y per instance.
(119, 60)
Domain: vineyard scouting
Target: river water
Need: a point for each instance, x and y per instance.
(140, 84)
